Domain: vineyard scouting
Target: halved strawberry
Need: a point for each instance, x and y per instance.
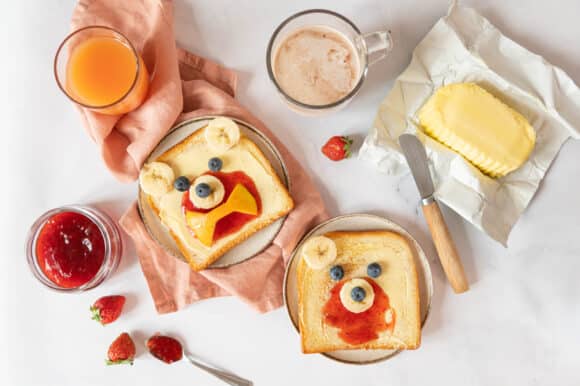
(121, 351)
(165, 348)
(108, 308)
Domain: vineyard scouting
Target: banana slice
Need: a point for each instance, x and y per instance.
(156, 178)
(357, 306)
(215, 196)
(221, 134)
(319, 252)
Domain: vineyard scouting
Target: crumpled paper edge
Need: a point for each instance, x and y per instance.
(549, 97)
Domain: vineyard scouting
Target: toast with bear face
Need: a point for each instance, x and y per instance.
(358, 290)
(213, 190)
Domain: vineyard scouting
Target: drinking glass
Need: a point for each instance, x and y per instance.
(101, 80)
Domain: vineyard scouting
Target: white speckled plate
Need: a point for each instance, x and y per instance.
(251, 246)
(359, 222)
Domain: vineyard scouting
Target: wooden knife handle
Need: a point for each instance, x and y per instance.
(445, 246)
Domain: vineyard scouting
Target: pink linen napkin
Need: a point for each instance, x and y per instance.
(185, 86)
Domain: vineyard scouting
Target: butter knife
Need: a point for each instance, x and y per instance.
(450, 261)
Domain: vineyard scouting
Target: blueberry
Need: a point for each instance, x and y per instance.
(181, 183)
(336, 272)
(215, 164)
(358, 294)
(374, 270)
(202, 190)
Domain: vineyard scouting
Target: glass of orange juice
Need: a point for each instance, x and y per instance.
(98, 68)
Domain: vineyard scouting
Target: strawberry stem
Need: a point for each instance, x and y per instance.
(96, 314)
(347, 144)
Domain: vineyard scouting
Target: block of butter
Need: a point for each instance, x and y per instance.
(471, 121)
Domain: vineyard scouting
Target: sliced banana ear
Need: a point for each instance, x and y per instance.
(221, 134)
(319, 252)
(156, 178)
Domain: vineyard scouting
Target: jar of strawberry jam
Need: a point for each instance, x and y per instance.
(73, 248)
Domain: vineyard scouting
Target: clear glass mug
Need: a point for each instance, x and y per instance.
(370, 48)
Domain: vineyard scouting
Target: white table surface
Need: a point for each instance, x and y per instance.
(518, 325)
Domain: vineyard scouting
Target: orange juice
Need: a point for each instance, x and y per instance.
(102, 73)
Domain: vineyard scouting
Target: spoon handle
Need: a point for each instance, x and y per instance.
(225, 376)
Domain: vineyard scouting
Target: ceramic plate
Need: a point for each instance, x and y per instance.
(358, 222)
(251, 246)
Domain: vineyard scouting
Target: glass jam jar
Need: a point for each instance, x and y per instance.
(73, 248)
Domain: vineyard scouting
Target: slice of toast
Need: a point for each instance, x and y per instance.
(398, 281)
(190, 158)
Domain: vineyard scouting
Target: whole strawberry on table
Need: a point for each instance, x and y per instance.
(337, 148)
(108, 308)
(121, 351)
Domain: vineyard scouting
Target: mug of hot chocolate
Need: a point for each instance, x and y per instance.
(318, 60)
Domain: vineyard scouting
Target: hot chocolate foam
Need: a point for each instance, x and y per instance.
(316, 65)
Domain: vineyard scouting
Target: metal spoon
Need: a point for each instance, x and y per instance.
(225, 376)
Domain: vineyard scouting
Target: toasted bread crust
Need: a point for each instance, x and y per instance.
(312, 344)
(257, 223)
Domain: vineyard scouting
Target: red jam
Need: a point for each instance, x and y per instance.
(234, 221)
(70, 249)
(362, 327)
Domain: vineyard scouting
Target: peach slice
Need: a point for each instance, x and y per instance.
(203, 225)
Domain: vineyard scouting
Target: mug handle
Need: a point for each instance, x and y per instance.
(378, 44)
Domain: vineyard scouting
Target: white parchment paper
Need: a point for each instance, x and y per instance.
(465, 47)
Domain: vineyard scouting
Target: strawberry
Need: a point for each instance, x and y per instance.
(121, 351)
(108, 308)
(165, 348)
(337, 148)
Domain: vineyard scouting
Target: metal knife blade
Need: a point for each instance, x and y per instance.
(416, 156)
